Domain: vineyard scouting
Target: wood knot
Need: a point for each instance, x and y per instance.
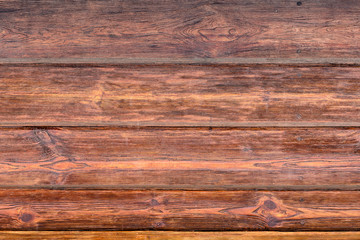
(219, 34)
(26, 217)
(272, 222)
(154, 202)
(270, 204)
(274, 211)
(159, 224)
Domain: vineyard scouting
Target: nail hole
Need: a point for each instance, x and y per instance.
(298, 51)
(299, 3)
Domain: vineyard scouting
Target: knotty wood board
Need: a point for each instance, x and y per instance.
(181, 158)
(159, 235)
(179, 210)
(180, 29)
(179, 95)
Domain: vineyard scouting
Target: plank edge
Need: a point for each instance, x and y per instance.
(269, 124)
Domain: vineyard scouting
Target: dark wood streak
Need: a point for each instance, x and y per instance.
(181, 158)
(178, 210)
(180, 29)
(180, 95)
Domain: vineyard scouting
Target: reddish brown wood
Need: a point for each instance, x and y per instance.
(179, 29)
(181, 235)
(178, 210)
(181, 158)
(195, 95)
(180, 95)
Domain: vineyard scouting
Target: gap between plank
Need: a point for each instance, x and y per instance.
(100, 124)
(184, 234)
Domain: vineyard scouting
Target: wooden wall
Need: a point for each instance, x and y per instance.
(147, 118)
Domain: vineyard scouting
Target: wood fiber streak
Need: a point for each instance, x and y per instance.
(189, 158)
(179, 210)
(180, 29)
(161, 235)
(178, 95)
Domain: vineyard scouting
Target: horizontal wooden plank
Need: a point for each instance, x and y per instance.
(177, 29)
(105, 62)
(179, 210)
(181, 158)
(166, 235)
(179, 95)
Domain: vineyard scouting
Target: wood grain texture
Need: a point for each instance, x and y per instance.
(179, 95)
(188, 28)
(181, 158)
(179, 210)
(169, 235)
(191, 115)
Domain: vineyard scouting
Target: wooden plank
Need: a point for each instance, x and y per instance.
(179, 210)
(180, 95)
(81, 62)
(180, 29)
(166, 235)
(181, 158)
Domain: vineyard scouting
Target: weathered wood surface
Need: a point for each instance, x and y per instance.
(180, 29)
(179, 210)
(169, 235)
(181, 158)
(141, 115)
(180, 95)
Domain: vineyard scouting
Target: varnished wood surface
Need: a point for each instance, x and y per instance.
(177, 29)
(168, 235)
(179, 210)
(181, 158)
(179, 95)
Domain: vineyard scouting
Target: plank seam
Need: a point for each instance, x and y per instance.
(184, 125)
